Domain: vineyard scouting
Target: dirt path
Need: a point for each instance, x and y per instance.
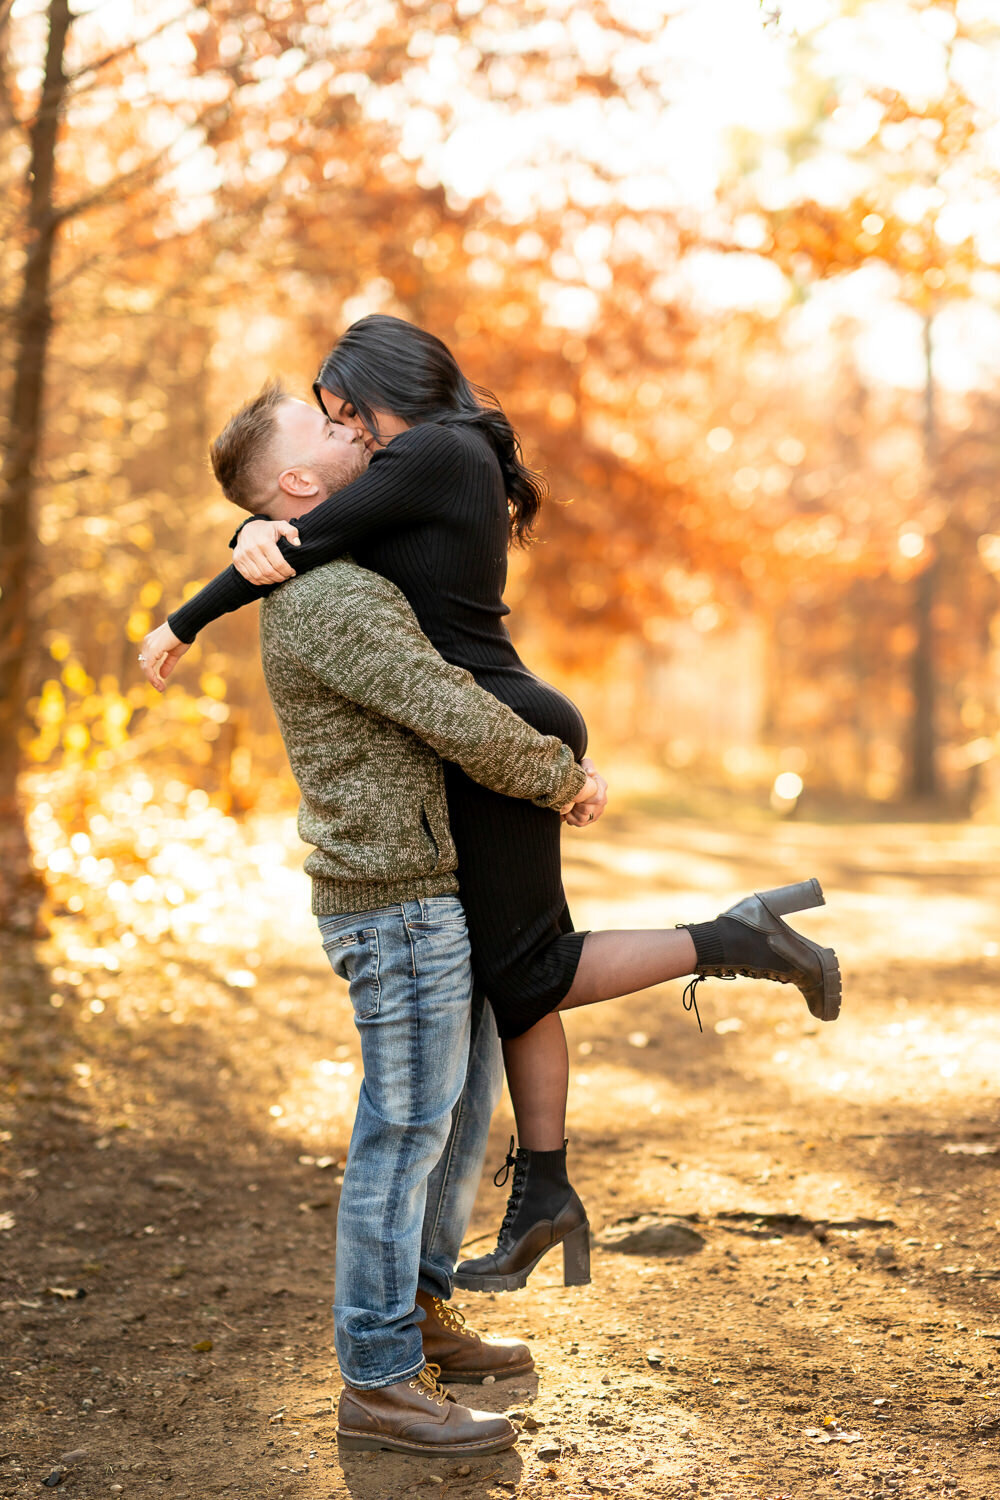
(176, 1106)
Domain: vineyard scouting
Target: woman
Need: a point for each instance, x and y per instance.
(444, 496)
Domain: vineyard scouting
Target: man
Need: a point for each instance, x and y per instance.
(366, 707)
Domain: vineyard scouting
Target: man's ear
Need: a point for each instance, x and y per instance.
(299, 484)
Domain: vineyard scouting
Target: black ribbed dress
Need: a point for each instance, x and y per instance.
(430, 514)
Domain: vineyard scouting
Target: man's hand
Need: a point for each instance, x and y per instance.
(590, 804)
(159, 654)
(256, 555)
(588, 790)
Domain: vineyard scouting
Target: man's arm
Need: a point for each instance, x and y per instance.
(365, 642)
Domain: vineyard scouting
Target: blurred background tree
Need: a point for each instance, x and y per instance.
(736, 284)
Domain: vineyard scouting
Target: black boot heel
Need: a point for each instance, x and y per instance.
(785, 899)
(576, 1257)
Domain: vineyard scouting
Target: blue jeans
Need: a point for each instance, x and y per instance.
(432, 1075)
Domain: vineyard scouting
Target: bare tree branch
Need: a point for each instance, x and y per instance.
(123, 51)
(119, 187)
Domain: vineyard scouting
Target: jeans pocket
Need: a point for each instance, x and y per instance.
(444, 914)
(354, 955)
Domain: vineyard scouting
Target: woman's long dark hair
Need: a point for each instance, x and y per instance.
(388, 363)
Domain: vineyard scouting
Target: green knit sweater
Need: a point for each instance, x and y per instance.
(367, 708)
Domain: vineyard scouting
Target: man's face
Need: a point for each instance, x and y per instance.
(315, 456)
(389, 426)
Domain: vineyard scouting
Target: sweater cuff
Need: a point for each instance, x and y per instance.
(181, 631)
(571, 783)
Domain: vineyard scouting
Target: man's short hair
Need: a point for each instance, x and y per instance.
(240, 452)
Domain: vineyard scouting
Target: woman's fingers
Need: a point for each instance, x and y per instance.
(171, 659)
(256, 555)
(159, 654)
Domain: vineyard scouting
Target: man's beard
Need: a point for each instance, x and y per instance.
(353, 463)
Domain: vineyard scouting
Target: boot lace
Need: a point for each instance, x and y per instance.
(520, 1165)
(500, 1177)
(452, 1319)
(428, 1384)
(689, 1000)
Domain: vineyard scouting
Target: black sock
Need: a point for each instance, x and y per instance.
(547, 1184)
(707, 939)
(728, 943)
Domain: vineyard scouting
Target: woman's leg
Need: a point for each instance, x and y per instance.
(537, 1066)
(749, 938)
(537, 1062)
(543, 1209)
(621, 963)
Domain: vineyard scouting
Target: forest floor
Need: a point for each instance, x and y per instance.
(177, 1103)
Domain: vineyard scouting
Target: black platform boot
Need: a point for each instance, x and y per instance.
(751, 939)
(543, 1211)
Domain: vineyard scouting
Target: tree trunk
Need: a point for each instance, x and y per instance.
(20, 888)
(924, 782)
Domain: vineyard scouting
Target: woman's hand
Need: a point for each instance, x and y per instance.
(256, 554)
(159, 654)
(590, 804)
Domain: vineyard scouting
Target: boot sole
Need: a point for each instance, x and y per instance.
(476, 1377)
(363, 1442)
(576, 1267)
(826, 1005)
(782, 902)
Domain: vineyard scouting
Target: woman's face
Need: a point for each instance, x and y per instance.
(343, 412)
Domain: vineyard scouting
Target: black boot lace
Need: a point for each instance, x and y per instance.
(520, 1165)
(500, 1178)
(689, 998)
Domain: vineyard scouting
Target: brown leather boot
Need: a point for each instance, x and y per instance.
(418, 1416)
(463, 1354)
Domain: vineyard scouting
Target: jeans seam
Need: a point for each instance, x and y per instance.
(450, 1149)
(413, 953)
(377, 976)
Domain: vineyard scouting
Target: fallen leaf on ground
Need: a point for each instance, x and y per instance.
(831, 1435)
